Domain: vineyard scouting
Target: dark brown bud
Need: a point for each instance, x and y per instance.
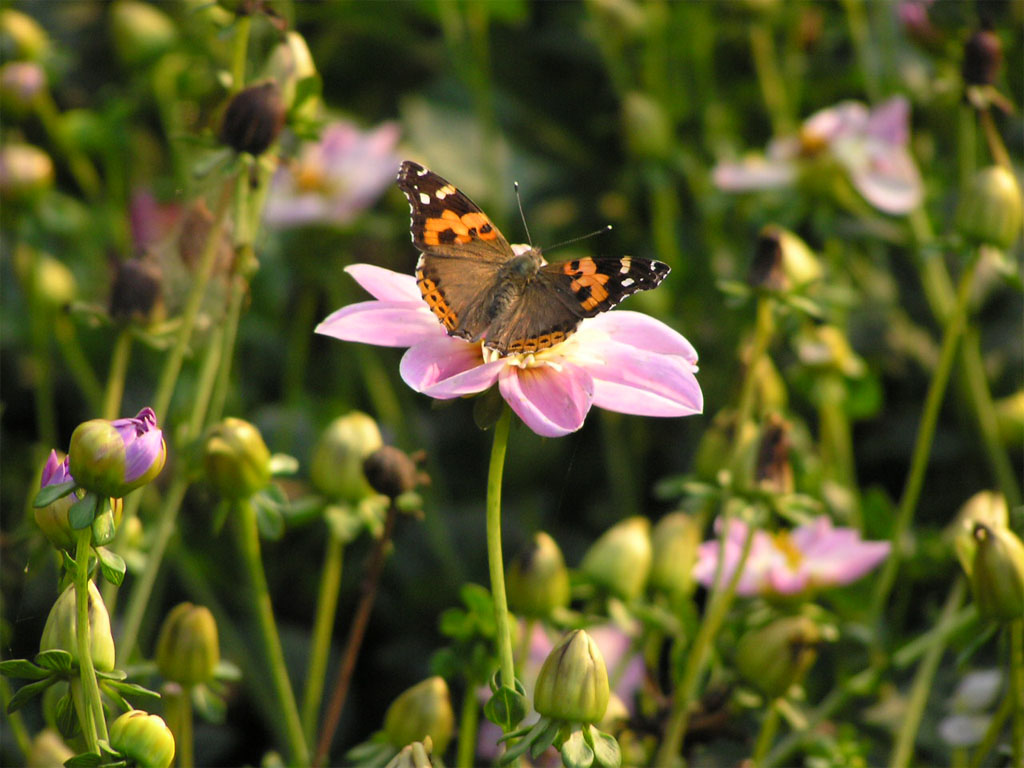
(195, 231)
(774, 472)
(766, 270)
(390, 471)
(253, 119)
(136, 291)
(983, 56)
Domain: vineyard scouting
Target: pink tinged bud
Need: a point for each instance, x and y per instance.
(53, 518)
(144, 738)
(20, 83)
(188, 651)
(61, 629)
(573, 682)
(421, 712)
(113, 458)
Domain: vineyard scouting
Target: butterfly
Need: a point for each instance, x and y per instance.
(481, 289)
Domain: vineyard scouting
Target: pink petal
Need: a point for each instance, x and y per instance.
(890, 121)
(753, 174)
(444, 368)
(889, 180)
(384, 323)
(385, 284)
(550, 402)
(644, 383)
(843, 119)
(641, 331)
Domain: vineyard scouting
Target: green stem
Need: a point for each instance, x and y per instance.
(243, 25)
(925, 434)
(218, 399)
(494, 557)
(178, 714)
(79, 367)
(80, 166)
(248, 536)
(118, 372)
(94, 726)
(995, 142)
(1016, 631)
(765, 737)
(860, 33)
(762, 338)
(323, 626)
(42, 365)
(903, 749)
(993, 732)
(773, 89)
(15, 720)
(836, 441)
(468, 719)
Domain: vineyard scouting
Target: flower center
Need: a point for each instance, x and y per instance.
(784, 543)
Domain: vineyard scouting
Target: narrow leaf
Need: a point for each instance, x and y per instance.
(83, 512)
(28, 692)
(576, 753)
(22, 669)
(51, 493)
(112, 566)
(606, 749)
(84, 760)
(56, 659)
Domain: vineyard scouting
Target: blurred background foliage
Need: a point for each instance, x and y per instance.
(606, 112)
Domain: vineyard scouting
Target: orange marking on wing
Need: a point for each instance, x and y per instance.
(478, 224)
(436, 302)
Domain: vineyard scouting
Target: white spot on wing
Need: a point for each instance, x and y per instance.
(424, 198)
(627, 282)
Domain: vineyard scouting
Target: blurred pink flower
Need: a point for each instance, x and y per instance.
(336, 178)
(870, 145)
(621, 361)
(788, 562)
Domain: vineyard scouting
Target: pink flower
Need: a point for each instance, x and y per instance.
(870, 145)
(789, 562)
(56, 471)
(622, 361)
(333, 180)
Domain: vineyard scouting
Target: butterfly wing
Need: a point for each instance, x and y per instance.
(461, 249)
(552, 305)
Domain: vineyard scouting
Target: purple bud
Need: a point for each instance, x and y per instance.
(112, 458)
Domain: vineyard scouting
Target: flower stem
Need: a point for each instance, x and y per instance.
(248, 535)
(243, 25)
(992, 733)
(1016, 631)
(15, 720)
(773, 89)
(93, 726)
(995, 142)
(494, 558)
(925, 433)
(836, 441)
(355, 638)
(118, 371)
(326, 609)
(765, 737)
(82, 170)
(178, 713)
(860, 33)
(79, 367)
(903, 749)
(470, 716)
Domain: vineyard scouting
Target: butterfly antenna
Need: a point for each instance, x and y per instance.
(522, 215)
(603, 230)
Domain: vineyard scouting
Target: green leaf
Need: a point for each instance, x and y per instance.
(283, 464)
(51, 493)
(268, 518)
(576, 753)
(112, 566)
(343, 522)
(84, 760)
(208, 705)
(56, 660)
(22, 669)
(506, 708)
(28, 692)
(66, 719)
(83, 512)
(606, 749)
(544, 738)
(130, 689)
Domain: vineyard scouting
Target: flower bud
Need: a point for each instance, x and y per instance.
(537, 580)
(983, 57)
(61, 629)
(48, 750)
(990, 210)
(774, 657)
(390, 471)
(236, 459)
(773, 471)
(136, 291)
(647, 126)
(997, 578)
(144, 738)
(290, 62)
(53, 518)
(620, 559)
(782, 261)
(336, 470)
(421, 711)
(826, 347)
(187, 650)
(573, 683)
(674, 540)
(141, 32)
(25, 172)
(20, 83)
(253, 119)
(196, 226)
(53, 282)
(1010, 418)
(985, 507)
(113, 458)
(21, 37)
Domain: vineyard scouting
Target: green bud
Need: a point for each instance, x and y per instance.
(425, 710)
(336, 469)
(290, 62)
(573, 683)
(144, 738)
(674, 540)
(25, 172)
(61, 629)
(53, 522)
(53, 282)
(253, 118)
(647, 127)
(537, 581)
(1010, 418)
(997, 578)
(236, 459)
(21, 37)
(987, 508)
(825, 347)
(990, 210)
(20, 83)
(390, 472)
(48, 750)
(774, 657)
(620, 559)
(782, 260)
(187, 650)
(141, 32)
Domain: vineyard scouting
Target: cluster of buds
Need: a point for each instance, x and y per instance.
(420, 721)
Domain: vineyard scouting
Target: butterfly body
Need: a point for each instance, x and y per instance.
(481, 289)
